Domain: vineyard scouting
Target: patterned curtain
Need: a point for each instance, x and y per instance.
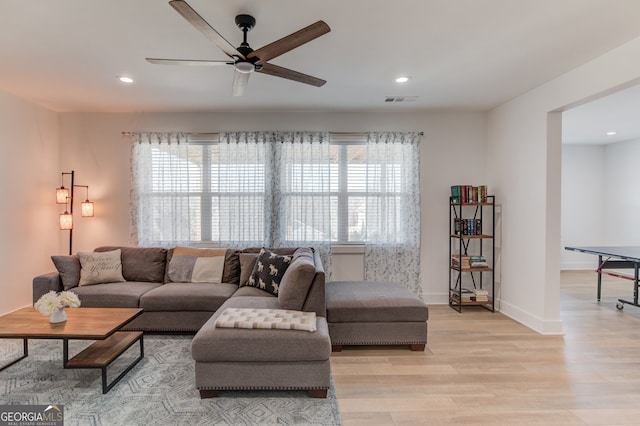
(392, 241)
(162, 217)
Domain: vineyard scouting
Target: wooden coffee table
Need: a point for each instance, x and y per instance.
(99, 324)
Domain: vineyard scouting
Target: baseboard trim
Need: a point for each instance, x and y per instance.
(542, 326)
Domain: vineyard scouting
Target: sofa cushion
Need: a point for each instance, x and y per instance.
(113, 295)
(268, 271)
(69, 269)
(98, 268)
(200, 265)
(141, 263)
(296, 281)
(248, 345)
(187, 297)
(252, 291)
(372, 301)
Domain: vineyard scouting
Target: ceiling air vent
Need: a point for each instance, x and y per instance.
(400, 99)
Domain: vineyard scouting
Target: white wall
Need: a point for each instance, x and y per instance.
(584, 201)
(524, 152)
(600, 201)
(622, 197)
(452, 152)
(29, 216)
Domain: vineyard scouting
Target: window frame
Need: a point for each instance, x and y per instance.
(343, 196)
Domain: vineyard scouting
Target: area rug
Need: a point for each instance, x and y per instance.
(159, 390)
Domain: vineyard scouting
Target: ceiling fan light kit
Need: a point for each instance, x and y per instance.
(244, 59)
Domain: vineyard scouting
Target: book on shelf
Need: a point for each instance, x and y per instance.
(480, 295)
(466, 295)
(479, 262)
(468, 261)
(460, 261)
(469, 194)
(472, 295)
(467, 226)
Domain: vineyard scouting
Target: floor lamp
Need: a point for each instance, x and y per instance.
(66, 196)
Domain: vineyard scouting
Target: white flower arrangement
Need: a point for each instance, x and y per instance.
(53, 302)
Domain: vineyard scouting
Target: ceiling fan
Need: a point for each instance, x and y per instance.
(244, 59)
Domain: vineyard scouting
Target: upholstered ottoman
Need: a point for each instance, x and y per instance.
(375, 313)
(247, 359)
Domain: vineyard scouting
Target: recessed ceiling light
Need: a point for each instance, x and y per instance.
(402, 79)
(612, 133)
(125, 79)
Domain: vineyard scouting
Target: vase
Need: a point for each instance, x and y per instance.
(59, 316)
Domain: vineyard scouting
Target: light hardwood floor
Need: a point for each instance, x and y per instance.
(484, 368)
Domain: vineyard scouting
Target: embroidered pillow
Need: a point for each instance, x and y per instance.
(195, 265)
(98, 268)
(268, 271)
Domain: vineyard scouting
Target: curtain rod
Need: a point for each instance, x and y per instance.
(348, 134)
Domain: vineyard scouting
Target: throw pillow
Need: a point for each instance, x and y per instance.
(69, 269)
(268, 271)
(247, 263)
(297, 280)
(195, 265)
(231, 273)
(98, 268)
(141, 264)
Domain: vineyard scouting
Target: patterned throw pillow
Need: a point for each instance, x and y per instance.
(98, 268)
(268, 271)
(196, 265)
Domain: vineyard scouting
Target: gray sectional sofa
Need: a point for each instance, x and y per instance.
(178, 293)
(226, 358)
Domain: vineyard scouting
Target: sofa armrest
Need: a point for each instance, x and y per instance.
(316, 299)
(44, 283)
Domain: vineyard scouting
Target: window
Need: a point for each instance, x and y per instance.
(357, 187)
(254, 192)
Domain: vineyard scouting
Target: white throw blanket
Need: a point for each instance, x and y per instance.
(267, 318)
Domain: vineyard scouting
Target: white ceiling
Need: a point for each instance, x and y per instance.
(461, 54)
(590, 123)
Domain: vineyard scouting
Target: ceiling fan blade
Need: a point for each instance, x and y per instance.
(278, 71)
(183, 8)
(189, 62)
(290, 42)
(240, 81)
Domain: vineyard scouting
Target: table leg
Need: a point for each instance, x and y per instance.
(106, 387)
(65, 352)
(635, 284)
(25, 353)
(599, 277)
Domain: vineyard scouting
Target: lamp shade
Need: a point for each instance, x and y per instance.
(86, 209)
(62, 194)
(66, 221)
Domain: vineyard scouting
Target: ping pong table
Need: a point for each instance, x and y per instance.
(615, 257)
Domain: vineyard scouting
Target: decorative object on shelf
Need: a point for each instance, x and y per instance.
(52, 304)
(65, 196)
(471, 247)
